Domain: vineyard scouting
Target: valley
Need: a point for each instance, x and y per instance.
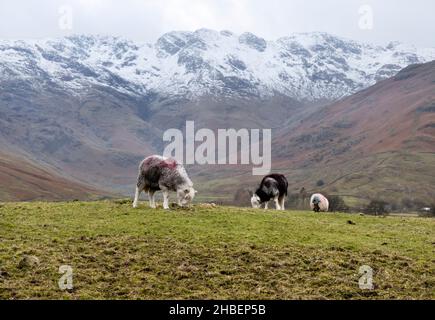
(347, 113)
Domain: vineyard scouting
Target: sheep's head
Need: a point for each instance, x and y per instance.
(255, 201)
(185, 195)
(316, 200)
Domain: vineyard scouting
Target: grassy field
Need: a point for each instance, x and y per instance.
(117, 252)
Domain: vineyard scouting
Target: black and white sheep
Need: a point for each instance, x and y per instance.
(273, 186)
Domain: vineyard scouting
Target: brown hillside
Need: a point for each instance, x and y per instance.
(22, 180)
(397, 114)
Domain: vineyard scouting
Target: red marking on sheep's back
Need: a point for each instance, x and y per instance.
(158, 161)
(169, 163)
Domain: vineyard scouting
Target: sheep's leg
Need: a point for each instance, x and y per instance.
(281, 202)
(266, 205)
(151, 197)
(165, 199)
(136, 196)
(277, 206)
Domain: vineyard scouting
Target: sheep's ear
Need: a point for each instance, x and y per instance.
(196, 191)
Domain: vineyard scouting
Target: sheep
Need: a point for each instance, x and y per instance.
(318, 202)
(273, 186)
(165, 174)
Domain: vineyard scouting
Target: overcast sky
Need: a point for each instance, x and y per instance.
(377, 21)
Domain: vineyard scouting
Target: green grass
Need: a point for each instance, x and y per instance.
(117, 252)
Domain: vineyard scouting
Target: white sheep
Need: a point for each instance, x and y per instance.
(318, 202)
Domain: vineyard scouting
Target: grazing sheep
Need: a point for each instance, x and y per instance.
(160, 173)
(273, 186)
(318, 202)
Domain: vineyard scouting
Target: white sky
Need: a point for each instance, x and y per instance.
(145, 20)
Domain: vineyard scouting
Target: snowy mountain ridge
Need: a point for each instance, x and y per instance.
(309, 66)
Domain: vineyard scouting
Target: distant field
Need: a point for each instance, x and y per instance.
(117, 252)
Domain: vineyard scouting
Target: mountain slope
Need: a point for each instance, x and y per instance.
(394, 115)
(22, 180)
(309, 66)
(378, 143)
(92, 107)
(100, 136)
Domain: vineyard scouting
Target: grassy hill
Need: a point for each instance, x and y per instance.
(24, 180)
(117, 252)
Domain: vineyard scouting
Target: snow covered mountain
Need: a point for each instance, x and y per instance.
(305, 67)
(89, 108)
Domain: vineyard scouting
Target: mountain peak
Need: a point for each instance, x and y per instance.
(252, 41)
(303, 66)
